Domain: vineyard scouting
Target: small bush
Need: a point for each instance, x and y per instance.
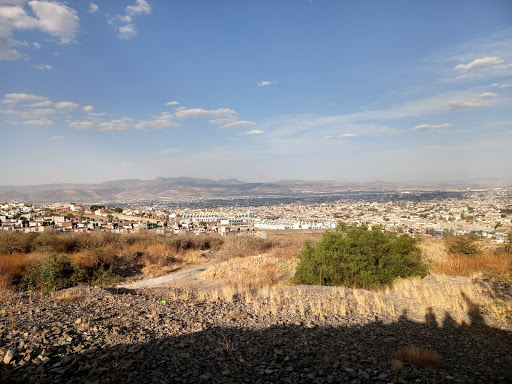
(464, 245)
(105, 277)
(52, 274)
(357, 257)
(421, 357)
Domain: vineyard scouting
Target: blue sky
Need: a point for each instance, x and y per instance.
(257, 90)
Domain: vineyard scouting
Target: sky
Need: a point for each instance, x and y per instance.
(259, 90)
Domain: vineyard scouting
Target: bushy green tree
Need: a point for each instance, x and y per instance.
(358, 257)
(51, 274)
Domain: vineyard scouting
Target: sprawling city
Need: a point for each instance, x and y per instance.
(486, 212)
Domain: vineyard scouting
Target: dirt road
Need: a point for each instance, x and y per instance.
(186, 276)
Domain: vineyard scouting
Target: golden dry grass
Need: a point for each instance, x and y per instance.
(487, 264)
(252, 272)
(421, 357)
(70, 296)
(433, 250)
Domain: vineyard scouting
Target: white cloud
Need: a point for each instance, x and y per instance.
(88, 108)
(13, 98)
(483, 64)
(197, 113)
(56, 138)
(165, 120)
(124, 23)
(56, 19)
(116, 125)
(477, 101)
(45, 67)
(254, 132)
(52, 17)
(265, 83)
(505, 85)
(238, 124)
(126, 31)
(141, 7)
(345, 135)
(171, 103)
(508, 132)
(29, 114)
(66, 105)
(430, 127)
(127, 164)
(82, 125)
(37, 45)
(97, 114)
(42, 121)
(93, 8)
(221, 121)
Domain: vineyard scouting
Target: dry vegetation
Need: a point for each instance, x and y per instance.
(258, 271)
(421, 357)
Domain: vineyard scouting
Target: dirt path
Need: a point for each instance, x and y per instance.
(186, 276)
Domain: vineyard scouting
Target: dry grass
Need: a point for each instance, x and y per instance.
(433, 250)
(252, 272)
(487, 264)
(290, 245)
(15, 263)
(70, 296)
(421, 357)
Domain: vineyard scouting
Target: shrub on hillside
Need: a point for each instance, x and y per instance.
(464, 245)
(357, 257)
(52, 274)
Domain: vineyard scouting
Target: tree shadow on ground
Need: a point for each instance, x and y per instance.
(290, 353)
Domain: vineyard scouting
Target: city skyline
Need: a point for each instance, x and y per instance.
(258, 91)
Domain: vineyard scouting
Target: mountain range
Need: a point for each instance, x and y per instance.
(176, 187)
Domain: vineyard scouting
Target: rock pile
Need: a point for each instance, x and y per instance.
(116, 336)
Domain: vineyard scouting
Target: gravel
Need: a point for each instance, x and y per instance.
(128, 336)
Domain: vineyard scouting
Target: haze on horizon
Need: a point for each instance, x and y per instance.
(255, 90)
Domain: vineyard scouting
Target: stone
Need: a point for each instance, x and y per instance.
(8, 356)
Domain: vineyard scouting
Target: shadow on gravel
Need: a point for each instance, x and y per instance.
(290, 353)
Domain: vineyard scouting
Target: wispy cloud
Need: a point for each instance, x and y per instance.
(482, 64)
(346, 135)
(88, 108)
(238, 124)
(56, 138)
(476, 101)
(124, 23)
(254, 132)
(265, 83)
(172, 103)
(93, 8)
(12, 98)
(42, 121)
(116, 125)
(431, 127)
(68, 105)
(44, 67)
(165, 120)
(196, 113)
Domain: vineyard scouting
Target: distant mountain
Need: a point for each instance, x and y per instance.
(177, 187)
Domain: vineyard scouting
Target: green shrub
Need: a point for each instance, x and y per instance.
(52, 274)
(464, 245)
(105, 277)
(357, 257)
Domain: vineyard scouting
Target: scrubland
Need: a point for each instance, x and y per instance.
(259, 271)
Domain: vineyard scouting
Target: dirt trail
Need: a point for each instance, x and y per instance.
(186, 276)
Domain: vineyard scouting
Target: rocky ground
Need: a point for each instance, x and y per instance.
(128, 336)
